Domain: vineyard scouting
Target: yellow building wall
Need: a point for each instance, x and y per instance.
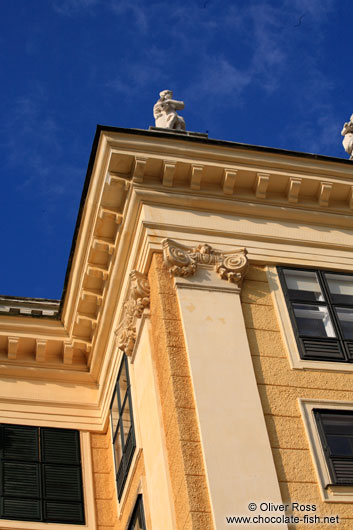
(184, 453)
(279, 388)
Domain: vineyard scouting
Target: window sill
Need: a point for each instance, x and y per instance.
(295, 360)
(337, 493)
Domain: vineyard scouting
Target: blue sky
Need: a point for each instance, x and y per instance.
(263, 72)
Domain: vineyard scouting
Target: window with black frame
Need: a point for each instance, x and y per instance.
(122, 426)
(40, 470)
(336, 434)
(137, 521)
(320, 304)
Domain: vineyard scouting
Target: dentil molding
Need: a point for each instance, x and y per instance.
(138, 299)
(182, 261)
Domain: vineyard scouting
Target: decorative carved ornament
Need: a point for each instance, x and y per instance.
(183, 261)
(138, 299)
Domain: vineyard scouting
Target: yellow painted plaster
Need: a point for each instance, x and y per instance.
(279, 388)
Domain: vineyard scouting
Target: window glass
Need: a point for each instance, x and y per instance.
(303, 285)
(138, 517)
(114, 412)
(340, 445)
(340, 287)
(345, 316)
(320, 304)
(137, 525)
(126, 419)
(313, 321)
(123, 382)
(123, 434)
(118, 450)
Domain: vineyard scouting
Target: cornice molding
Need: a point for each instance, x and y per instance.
(182, 261)
(137, 301)
(130, 171)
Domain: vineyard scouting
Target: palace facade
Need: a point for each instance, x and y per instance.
(199, 365)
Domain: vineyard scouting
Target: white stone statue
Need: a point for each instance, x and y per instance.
(164, 112)
(347, 132)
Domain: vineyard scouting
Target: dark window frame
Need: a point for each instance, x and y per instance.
(32, 476)
(138, 514)
(128, 446)
(335, 349)
(340, 466)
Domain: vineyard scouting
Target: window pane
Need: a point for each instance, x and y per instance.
(313, 321)
(126, 419)
(114, 414)
(337, 423)
(137, 525)
(303, 285)
(118, 452)
(345, 317)
(341, 288)
(123, 381)
(340, 445)
(138, 519)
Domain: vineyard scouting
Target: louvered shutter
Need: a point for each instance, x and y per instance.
(41, 475)
(20, 473)
(62, 482)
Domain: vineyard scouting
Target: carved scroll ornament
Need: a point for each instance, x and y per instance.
(183, 261)
(138, 299)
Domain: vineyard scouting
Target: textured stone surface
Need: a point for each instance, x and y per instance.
(198, 521)
(266, 343)
(293, 465)
(286, 433)
(257, 273)
(105, 485)
(260, 317)
(275, 372)
(106, 512)
(102, 460)
(282, 400)
(255, 292)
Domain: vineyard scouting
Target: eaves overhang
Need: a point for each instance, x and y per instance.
(179, 138)
(131, 167)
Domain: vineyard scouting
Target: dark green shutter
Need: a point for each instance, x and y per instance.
(41, 475)
(20, 473)
(62, 481)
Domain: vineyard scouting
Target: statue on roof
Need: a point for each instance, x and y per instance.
(165, 112)
(347, 141)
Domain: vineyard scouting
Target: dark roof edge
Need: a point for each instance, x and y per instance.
(92, 157)
(29, 299)
(223, 143)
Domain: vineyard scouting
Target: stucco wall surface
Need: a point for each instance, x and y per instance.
(279, 388)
